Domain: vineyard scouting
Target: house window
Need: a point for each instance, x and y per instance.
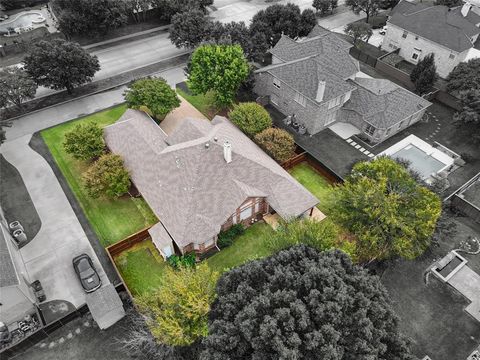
(404, 35)
(299, 98)
(415, 56)
(246, 213)
(370, 130)
(335, 102)
(451, 56)
(276, 83)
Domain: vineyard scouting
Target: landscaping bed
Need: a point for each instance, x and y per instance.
(313, 181)
(112, 220)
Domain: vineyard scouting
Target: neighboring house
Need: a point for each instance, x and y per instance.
(16, 299)
(420, 29)
(315, 79)
(202, 178)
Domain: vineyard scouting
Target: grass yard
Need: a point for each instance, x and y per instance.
(249, 246)
(203, 103)
(313, 181)
(112, 220)
(141, 267)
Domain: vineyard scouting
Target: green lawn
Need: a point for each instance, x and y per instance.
(249, 246)
(203, 103)
(112, 220)
(313, 181)
(141, 267)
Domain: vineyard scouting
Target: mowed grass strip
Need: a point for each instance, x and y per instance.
(313, 182)
(112, 220)
(203, 103)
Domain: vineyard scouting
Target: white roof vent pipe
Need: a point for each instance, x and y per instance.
(227, 151)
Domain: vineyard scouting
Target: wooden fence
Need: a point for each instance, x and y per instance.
(295, 160)
(320, 168)
(128, 242)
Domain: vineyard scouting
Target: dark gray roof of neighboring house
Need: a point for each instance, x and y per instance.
(382, 103)
(435, 23)
(190, 187)
(8, 274)
(303, 75)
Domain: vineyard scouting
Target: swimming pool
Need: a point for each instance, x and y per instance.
(23, 20)
(423, 158)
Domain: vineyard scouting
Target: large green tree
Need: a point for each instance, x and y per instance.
(303, 304)
(218, 68)
(465, 76)
(470, 113)
(154, 94)
(90, 17)
(16, 86)
(107, 177)
(177, 311)
(387, 210)
(359, 31)
(85, 141)
(424, 75)
(368, 7)
(60, 64)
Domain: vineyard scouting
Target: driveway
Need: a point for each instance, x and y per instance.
(48, 256)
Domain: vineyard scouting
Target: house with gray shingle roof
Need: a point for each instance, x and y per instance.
(418, 29)
(315, 81)
(202, 178)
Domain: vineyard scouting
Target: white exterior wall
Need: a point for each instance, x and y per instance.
(393, 39)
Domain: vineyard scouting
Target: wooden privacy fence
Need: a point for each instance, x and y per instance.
(320, 168)
(295, 160)
(128, 242)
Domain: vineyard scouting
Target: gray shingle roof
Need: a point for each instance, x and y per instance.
(436, 23)
(8, 274)
(382, 103)
(303, 75)
(191, 188)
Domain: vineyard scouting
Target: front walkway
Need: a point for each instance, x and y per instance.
(48, 257)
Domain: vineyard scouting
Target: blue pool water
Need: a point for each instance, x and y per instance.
(419, 160)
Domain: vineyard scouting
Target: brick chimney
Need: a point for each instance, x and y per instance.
(227, 151)
(320, 91)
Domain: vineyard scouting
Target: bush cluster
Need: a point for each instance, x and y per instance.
(186, 261)
(226, 238)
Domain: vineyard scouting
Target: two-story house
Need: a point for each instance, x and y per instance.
(418, 29)
(315, 79)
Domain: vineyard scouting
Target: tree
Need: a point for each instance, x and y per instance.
(3, 133)
(369, 7)
(154, 94)
(388, 4)
(424, 75)
(60, 64)
(277, 143)
(464, 76)
(278, 19)
(15, 87)
(177, 311)
(250, 117)
(303, 304)
(189, 29)
(470, 113)
(359, 31)
(107, 176)
(389, 212)
(449, 3)
(85, 141)
(308, 21)
(218, 68)
(324, 6)
(90, 17)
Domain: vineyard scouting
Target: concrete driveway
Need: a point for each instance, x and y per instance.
(48, 256)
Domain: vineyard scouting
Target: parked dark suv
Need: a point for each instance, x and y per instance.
(86, 272)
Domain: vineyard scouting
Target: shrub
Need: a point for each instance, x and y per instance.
(85, 141)
(251, 118)
(278, 143)
(187, 261)
(107, 176)
(226, 238)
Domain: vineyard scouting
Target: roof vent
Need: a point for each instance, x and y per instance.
(207, 145)
(227, 151)
(320, 91)
(215, 139)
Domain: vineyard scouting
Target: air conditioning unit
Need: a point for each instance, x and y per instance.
(20, 237)
(15, 225)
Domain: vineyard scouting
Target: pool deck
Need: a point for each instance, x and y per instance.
(467, 282)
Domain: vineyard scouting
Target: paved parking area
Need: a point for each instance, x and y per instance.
(48, 256)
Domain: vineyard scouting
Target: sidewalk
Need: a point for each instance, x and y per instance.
(58, 114)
